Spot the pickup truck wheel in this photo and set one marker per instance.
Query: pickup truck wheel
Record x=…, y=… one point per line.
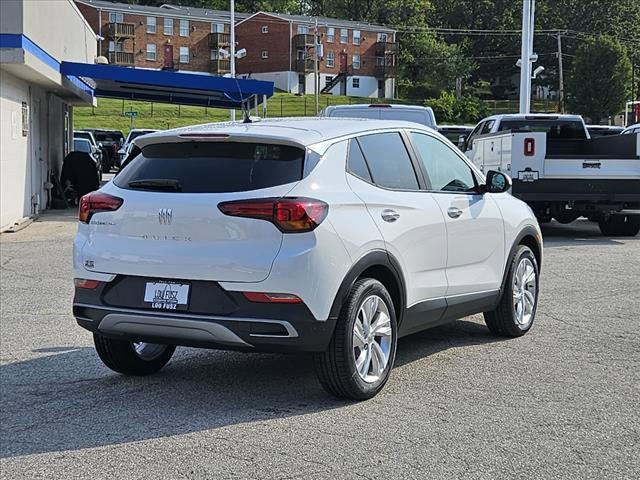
x=516, y=311
x=361, y=353
x=132, y=358
x=620, y=226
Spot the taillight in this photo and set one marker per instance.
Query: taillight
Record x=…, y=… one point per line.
x=259, y=297
x=290, y=215
x=95, y=202
x=86, y=283
x=529, y=147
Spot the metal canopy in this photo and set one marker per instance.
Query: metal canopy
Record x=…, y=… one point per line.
x=110, y=81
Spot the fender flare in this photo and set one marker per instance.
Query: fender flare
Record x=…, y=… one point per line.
x=371, y=259
x=526, y=231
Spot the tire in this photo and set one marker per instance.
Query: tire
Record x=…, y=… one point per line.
x=565, y=217
x=620, y=226
x=121, y=356
x=505, y=319
x=337, y=367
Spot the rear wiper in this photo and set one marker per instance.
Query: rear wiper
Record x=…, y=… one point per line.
x=157, y=184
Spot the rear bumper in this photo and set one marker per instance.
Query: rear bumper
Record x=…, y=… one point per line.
x=215, y=319
x=218, y=332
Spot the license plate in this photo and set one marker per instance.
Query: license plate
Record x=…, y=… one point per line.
x=167, y=295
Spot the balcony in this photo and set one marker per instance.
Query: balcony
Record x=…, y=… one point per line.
x=220, y=67
x=304, y=65
x=121, y=58
x=122, y=30
x=218, y=40
x=303, y=40
x=386, y=48
x=386, y=71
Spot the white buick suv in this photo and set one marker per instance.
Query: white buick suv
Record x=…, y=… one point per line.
x=332, y=236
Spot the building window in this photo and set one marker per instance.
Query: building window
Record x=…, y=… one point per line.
x=265, y=54
x=344, y=35
x=300, y=54
x=184, y=28
x=265, y=29
x=151, y=24
x=168, y=26
x=356, y=37
x=303, y=29
x=184, y=54
x=330, y=61
x=355, y=61
x=380, y=61
x=214, y=54
x=331, y=34
x=217, y=28
x=382, y=37
x=115, y=46
x=151, y=52
x=355, y=82
x=327, y=80
x=115, y=17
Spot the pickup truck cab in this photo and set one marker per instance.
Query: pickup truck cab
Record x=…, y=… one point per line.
x=560, y=171
x=382, y=111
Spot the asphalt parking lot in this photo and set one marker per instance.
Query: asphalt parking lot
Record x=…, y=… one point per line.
x=561, y=402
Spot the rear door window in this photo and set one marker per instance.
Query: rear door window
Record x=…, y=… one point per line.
x=213, y=167
x=389, y=161
x=356, y=163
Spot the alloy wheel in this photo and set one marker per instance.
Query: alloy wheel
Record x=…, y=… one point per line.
x=372, y=337
x=524, y=293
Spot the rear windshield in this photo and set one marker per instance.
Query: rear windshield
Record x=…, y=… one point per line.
x=105, y=137
x=553, y=128
x=199, y=167
x=133, y=135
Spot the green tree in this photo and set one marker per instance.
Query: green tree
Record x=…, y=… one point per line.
x=599, y=81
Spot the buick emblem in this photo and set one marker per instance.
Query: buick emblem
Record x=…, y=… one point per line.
x=165, y=216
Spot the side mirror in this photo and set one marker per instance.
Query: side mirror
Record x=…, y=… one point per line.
x=461, y=141
x=497, y=182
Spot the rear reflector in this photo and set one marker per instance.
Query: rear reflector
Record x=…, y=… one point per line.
x=289, y=215
x=85, y=283
x=259, y=297
x=529, y=147
x=95, y=202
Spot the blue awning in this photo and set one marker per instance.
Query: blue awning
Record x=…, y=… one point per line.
x=110, y=81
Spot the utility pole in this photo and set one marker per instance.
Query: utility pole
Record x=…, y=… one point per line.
x=528, y=15
x=232, y=50
x=560, y=76
x=316, y=73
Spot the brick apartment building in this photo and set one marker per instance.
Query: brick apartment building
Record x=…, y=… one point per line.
x=359, y=59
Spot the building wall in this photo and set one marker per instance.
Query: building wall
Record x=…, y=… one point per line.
x=197, y=39
x=276, y=42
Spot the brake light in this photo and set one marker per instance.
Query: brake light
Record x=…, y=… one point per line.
x=259, y=297
x=95, y=202
x=529, y=147
x=289, y=215
x=85, y=283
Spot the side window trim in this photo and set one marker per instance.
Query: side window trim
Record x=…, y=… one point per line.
x=355, y=141
x=458, y=154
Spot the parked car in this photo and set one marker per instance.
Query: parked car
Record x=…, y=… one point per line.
x=84, y=145
x=96, y=146
x=111, y=141
x=631, y=129
x=457, y=134
x=596, y=131
x=381, y=111
x=561, y=172
x=133, y=134
x=331, y=236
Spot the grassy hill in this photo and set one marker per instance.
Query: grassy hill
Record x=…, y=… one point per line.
x=110, y=113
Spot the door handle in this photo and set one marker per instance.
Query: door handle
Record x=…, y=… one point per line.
x=454, y=212
x=389, y=215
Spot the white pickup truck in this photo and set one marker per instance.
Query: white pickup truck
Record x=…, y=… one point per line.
x=561, y=172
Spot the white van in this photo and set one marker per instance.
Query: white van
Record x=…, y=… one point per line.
x=409, y=113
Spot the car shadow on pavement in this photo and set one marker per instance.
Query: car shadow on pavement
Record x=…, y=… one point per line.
x=68, y=400
x=579, y=232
